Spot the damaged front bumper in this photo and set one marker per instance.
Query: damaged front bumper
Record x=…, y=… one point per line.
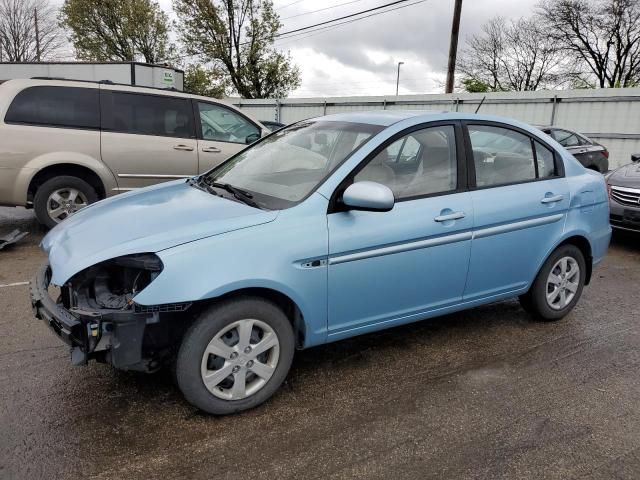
x=113, y=336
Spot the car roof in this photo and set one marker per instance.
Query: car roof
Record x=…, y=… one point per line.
x=386, y=118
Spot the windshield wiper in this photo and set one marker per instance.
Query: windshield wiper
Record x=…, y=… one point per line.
x=238, y=193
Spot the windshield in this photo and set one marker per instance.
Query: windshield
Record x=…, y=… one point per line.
x=284, y=168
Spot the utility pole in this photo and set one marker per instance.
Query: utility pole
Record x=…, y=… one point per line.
x=398, y=78
x=453, y=46
x=35, y=18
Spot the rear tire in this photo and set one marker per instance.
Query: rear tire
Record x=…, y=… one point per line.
x=60, y=197
x=558, y=286
x=235, y=356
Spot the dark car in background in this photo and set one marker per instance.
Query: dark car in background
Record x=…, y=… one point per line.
x=273, y=125
x=624, y=196
x=589, y=153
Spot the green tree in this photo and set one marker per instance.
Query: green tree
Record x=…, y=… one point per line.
x=125, y=30
x=473, y=85
x=208, y=82
x=237, y=36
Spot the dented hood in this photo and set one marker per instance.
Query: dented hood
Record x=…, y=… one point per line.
x=147, y=220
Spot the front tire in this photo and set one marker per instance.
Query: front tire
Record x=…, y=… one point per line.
x=558, y=286
x=235, y=356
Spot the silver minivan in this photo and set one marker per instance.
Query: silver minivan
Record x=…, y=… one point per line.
x=65, y=144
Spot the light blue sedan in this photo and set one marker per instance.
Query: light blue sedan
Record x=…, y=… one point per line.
x=329, y=228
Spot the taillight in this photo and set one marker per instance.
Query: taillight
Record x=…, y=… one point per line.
x=605, y=152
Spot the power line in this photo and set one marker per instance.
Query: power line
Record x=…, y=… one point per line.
x=322, y=9
x=343, y=17
x=330, y=27
x=289, y=4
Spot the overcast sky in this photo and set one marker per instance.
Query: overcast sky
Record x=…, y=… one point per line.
x=360, y=58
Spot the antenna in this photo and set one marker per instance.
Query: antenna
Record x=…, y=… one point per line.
x=481, y=102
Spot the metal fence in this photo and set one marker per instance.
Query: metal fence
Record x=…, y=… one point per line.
x=608, y=116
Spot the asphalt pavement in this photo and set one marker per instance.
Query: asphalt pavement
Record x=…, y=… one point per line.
x=486, y=393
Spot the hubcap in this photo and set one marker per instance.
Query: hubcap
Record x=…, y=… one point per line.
x=64, y=202
x=563, y=282
x=240, y=359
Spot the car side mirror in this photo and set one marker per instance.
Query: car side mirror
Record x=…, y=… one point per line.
x=635, y=158
x=254, y=137
x=368, y=196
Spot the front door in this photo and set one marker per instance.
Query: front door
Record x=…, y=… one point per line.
x=392, y=267
x=223, y=132
x=147, y=139
x=520, y=204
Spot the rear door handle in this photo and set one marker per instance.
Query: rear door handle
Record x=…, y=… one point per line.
x=554, y=199
x=450, y=216
x=186, y=148
x=211, y=149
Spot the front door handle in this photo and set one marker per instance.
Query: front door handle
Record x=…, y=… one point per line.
x=553, y=199
x=186, y=148
x=211, y=150
x=450, y=216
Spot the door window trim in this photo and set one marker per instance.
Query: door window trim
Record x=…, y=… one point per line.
x=106, y=114
x=471, y=166
x=196, y=115
x=461, y=163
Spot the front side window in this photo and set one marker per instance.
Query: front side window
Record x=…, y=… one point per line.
x=287, y=166
x=224, y=125
x=501, y=155
x=150, y=115
x=423, y=162
x=72, y=107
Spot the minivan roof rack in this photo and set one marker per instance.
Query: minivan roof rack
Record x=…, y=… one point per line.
x=105, y=82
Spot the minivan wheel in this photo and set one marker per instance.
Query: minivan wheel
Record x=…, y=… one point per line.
x=60, y=197
x=235, y=355
x=558, y=286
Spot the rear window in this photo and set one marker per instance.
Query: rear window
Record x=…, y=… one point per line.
x=71, y=107
x=149, y=115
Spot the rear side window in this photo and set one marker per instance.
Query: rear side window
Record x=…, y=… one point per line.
x=71, y=107
x=148, y=115
x=501, y=155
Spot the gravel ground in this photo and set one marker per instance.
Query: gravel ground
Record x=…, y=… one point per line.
x=486, y=393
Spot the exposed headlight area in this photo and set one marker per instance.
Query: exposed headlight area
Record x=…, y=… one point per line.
x=111, y=284
x=95, y=313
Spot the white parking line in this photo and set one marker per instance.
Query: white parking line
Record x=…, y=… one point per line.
x=16, y=284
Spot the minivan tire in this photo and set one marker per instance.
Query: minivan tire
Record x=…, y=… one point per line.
x=207, y=326
x=59, y=183
x=535, y=300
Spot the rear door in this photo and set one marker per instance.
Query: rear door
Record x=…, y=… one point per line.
x=520, y=200
x=147, y=138
x=222, y=132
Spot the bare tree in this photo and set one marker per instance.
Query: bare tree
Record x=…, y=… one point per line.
x=515, y=55
x=602, y=35
x=18, y=41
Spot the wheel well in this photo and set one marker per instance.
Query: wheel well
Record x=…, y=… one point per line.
x=70, y=169
x=286, y=304
x=585, y=247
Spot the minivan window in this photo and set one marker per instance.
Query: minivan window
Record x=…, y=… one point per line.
x=285, y=167
x=149, y=115
x=72, y=107
x=224, y=125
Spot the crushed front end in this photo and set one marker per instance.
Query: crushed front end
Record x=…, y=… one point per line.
x=95, y=313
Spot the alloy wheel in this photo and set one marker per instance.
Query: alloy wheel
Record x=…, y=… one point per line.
x=562, y=283
x=240, y=359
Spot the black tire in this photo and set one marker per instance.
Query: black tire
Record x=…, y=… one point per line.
x=205, y=328
x=535, y=300
x=59, y=183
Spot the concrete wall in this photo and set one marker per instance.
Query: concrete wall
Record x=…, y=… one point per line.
x=608, y=116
